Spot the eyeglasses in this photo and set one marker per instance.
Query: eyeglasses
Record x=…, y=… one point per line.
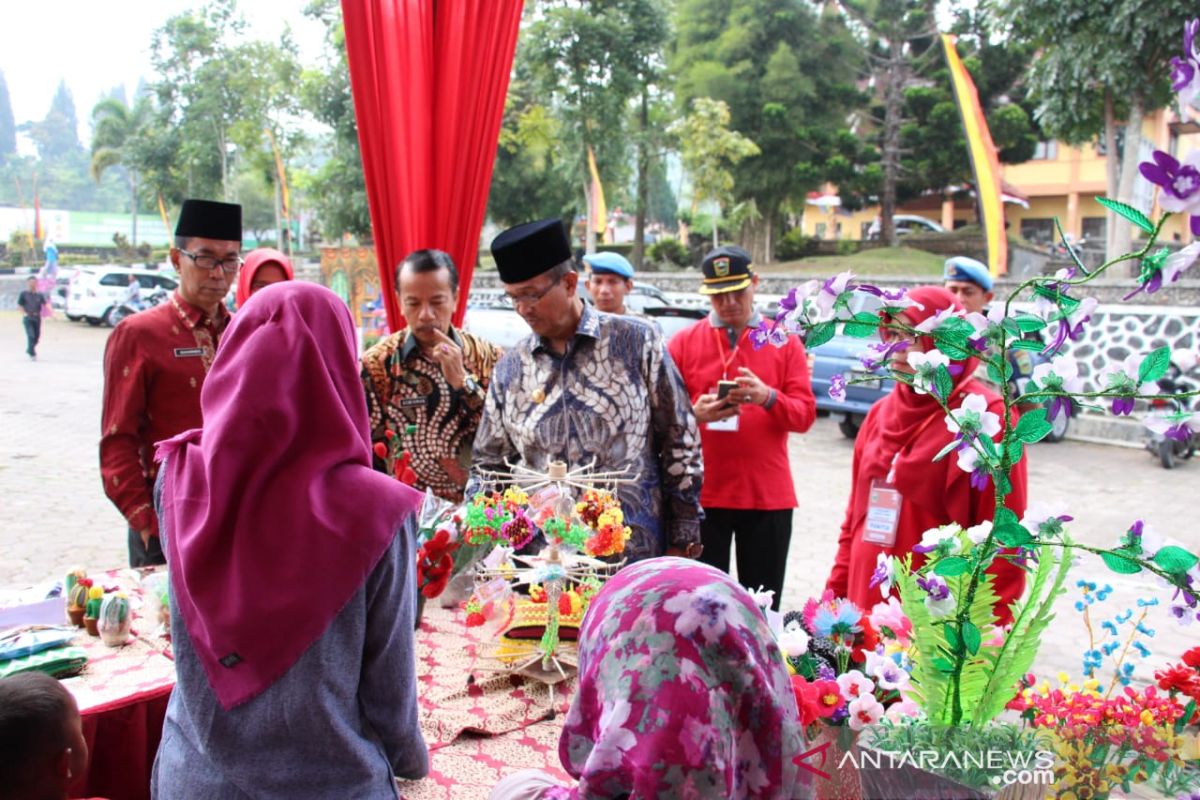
x=532, y=298
x=206, y=262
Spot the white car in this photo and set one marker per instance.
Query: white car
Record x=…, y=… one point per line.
x=906, y=224
x=94, y=291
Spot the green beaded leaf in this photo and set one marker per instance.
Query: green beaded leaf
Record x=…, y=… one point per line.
x=1028, y=323
x=1009, y=531
x=1154, y=365
x=971, y=637
x=1118, y=561
x=1032, y=426
x=821, y=333
x=951, y=566
x=1026, y=344
x=943, y=382
x=863, y=325
x=1128, y=212
x=1175, y=559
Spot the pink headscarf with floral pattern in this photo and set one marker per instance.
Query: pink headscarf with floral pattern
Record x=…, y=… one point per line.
x=682, y=692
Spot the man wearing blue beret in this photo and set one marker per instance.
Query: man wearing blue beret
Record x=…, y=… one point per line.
x=969, y=281
x=610, y=279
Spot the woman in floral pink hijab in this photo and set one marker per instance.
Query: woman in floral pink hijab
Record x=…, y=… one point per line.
x=682, y=693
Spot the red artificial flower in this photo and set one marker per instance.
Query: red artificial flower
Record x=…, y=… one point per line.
x=826, y=697
x=380, y=449
x=475, y=619
x=1178, y=678
x=1192, y=658
x=808, y=713
x=564, y=604
x=389, y=434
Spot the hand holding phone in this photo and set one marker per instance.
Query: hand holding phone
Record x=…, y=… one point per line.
x=724, y=388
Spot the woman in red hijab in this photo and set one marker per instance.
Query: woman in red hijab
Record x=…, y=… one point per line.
x=907, y=429
x=291, y=569
x=263, y=267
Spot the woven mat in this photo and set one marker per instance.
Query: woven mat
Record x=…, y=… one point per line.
x=448, y=653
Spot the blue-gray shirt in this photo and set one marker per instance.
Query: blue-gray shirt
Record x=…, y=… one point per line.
x=340, y=723
x=614, y=396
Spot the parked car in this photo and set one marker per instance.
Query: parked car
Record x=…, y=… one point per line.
x=94, y=291
x=906, y=224
x=840, y=356
x=501, y=325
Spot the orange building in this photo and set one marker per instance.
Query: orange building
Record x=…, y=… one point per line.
x=1059, y=181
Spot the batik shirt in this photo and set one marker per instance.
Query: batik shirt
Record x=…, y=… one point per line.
x=154, y=367
x=408, y=395
x=614, y=397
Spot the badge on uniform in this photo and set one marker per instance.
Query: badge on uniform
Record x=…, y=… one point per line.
x=727, y=424
x=883, y=514
x=721, y=267
x=188, y=352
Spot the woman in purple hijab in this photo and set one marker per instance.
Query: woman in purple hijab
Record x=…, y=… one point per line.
x=291, y=569
x=683, y=693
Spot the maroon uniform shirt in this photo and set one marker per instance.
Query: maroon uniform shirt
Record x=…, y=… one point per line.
x=154, y=366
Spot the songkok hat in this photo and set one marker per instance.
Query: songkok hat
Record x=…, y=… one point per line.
x=209, y=219
x=961, y=268
x=528, y=250
x=726, y=269
x=609, y=263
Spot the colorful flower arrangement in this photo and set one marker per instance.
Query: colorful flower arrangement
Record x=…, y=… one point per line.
x=837, y=679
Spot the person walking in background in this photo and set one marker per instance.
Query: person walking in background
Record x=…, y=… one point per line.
x=898, y=486
x=263, y=266
x=155, y=363
x=133, y=294
x=292, y=565
x=748, y=401
x=32, y=302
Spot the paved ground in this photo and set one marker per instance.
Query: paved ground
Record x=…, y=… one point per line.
x=53, y=512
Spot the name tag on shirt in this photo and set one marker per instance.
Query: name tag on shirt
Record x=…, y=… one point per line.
x=727, y=424
x=883, y=514
x=411, y=402
x=189, y=352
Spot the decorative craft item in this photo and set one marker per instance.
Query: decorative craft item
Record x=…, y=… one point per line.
x=577, y=514
x=77, y=596
x=115, y=619
x=91, y=612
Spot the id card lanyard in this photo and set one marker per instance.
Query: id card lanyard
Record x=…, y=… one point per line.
x=884, y=501
x=729, y=423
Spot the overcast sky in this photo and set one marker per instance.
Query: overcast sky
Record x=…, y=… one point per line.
x=95, y=45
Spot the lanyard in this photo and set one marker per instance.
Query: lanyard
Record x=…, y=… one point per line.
x=891, y=476
x=726, y=361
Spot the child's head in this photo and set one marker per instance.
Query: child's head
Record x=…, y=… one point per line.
x=41, y=738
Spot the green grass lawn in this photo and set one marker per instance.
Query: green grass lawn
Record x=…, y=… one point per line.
x=881, y=261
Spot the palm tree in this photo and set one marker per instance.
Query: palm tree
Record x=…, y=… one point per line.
x=116, y=129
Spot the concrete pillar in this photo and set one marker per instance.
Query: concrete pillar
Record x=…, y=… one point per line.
x=948, y=213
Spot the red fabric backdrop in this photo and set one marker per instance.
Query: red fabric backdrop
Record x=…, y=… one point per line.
x=429, y=79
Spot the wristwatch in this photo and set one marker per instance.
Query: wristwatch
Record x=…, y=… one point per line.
x=470, y=384
x=693, y=550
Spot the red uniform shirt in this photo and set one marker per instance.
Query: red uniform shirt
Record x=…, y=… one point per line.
x=747, y=468
x=154, y=366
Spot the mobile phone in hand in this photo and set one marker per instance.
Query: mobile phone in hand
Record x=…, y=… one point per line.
x=724, y=388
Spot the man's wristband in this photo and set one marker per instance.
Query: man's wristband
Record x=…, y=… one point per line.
x=770, y=401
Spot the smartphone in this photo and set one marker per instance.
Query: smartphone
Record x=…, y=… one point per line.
x=724, y=388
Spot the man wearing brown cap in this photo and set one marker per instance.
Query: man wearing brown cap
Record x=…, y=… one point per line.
x=155, y=362
x=588, y=386
x=747, y=401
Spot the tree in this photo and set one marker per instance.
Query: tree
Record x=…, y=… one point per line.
x=589, y=60
x=709, y=148
x=57, y=136
x=1098, y=62
x=220, y=91
x=786, y=71
x=116, y=129
x=336, y=185
x=8, y=127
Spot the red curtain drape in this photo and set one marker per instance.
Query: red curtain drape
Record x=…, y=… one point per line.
x=429, y=79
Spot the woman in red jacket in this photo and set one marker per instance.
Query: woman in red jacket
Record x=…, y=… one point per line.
x=895, y=449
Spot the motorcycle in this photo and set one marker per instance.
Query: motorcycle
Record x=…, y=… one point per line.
x=1182, y=445
x=119, y=311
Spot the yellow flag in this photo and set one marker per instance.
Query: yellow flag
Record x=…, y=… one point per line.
x=599, y=219
x=162, y=212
